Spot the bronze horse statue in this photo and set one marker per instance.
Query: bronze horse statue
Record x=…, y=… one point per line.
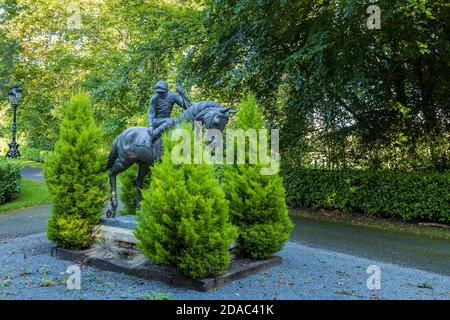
x=133, y=146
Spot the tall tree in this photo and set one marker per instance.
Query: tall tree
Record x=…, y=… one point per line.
x=339, y=91
x=8, y=45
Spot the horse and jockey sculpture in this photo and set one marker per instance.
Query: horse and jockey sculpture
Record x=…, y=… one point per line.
x=144, y=146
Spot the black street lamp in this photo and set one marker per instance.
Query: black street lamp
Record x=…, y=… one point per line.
x=14, y=96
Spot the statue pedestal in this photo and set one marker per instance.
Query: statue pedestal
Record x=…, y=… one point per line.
x=118, y=229
x=121, y=231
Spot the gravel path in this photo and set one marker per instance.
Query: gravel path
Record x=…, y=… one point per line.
x=27, y=271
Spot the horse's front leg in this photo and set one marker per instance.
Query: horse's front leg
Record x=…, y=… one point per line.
x=144, y=168
x=111, y=213
x=117, y=168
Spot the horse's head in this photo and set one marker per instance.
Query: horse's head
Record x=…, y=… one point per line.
x=217, y=120
x=212, y=114
x=220, y=118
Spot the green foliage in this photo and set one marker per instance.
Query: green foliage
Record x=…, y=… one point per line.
x=8, y=45
x=71, y=230
x=158, y=296
x=10, y=179
x=344, y=96
x=127, y=186
x=32, y=193
x=184, y=218
x=340, y=93
x=257, y=202
x=404, y=195
x=249, y=116
x=258, y=209
x=127, y=193
x=34, y=154
x=77, y=186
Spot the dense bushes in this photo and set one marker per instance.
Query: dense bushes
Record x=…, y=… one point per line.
x=257, y=202
x=405, y=195
x=34, y=154
x=184, y=218
x=77, y=186
x=10, y=179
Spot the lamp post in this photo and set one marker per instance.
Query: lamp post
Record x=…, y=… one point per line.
x=14, y=96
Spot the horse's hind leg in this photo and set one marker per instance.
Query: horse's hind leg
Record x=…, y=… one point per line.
x=118, y=167
x=144, y=168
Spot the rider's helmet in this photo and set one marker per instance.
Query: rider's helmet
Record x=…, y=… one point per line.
x=161, y=86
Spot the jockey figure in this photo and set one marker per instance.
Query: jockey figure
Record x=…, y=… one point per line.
x=161, y=105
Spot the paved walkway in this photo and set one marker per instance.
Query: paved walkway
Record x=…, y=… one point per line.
x=404, y=249
x=33, y=173
x=22, y=222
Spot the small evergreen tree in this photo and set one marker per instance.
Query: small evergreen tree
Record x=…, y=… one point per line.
x=127, y=192
x=257, y=202
x=184, y=218
x=77, y=186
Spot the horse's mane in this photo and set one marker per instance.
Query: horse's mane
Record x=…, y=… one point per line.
x=203, y=110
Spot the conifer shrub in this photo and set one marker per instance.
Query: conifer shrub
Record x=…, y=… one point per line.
x=10, y=179
x=184, y=218
x=127, y=192
x=257, y=202
x=78, y=187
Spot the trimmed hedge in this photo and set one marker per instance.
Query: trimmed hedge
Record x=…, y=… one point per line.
x=10, y=179
x=405, y=195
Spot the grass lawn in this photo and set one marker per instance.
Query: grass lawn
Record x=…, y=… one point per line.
x=33, y=193
x=370, y=221
x=33, y=164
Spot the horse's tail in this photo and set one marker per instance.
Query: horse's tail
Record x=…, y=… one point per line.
x=113, y=154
